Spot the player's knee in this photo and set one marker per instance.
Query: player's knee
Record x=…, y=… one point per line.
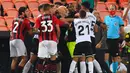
x=24, y=58
x=15, y=59
x=90, y=59
x=83, y=58
x=33, y=58
x=75, y=59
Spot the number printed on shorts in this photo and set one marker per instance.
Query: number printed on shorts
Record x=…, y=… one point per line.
x=82, y=28
x=49, y=24
x=16, y=24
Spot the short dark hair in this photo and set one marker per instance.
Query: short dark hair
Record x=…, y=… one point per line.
x=82, y=13
x=114, y=6
x=40, y=7
x=58, y=3
x=86, y=4
x=21, y=9
x=46, y=7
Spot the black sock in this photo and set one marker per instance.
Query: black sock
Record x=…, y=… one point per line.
x=12, y=71
x=40, y=61
x=20, y=69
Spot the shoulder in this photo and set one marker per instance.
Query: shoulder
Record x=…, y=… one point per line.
x=39, y=15
x=107, y=16
x=122, y=64
x=90, y=15
x=26, y=20
x=118, y=17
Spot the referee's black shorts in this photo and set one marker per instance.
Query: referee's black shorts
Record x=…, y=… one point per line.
x=113, y=47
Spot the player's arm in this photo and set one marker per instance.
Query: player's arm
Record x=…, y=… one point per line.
x=121, y=23
x=125, y=13
x=95, y=25
x=35, y=30
x=96, y=28
x=58, y=31
x=31, y=30
x=56, y=22
x=67, y=19
x=95, y=4
x=103, y=26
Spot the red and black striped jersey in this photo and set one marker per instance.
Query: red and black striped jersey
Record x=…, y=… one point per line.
x=19, y=27
x=46, y=24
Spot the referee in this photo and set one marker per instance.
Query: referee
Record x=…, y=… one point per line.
x=114, y=25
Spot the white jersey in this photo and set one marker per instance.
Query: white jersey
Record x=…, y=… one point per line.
x=82, y=29
x=120, y=68
x=92, y=19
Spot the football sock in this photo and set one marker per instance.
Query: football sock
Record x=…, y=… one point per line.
x=90, y=67
x=27, y=67
x=97, y=66
x=83, y=67
x=72, y=66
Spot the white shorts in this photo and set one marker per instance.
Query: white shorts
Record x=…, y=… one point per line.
x=47, y=48
x=17, y=48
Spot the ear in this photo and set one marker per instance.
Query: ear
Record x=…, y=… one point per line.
x=23, y=13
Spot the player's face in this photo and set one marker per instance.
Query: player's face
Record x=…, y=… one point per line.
x=82, y=7
x=27, y=13
x=53, y=10
x=119, y=59
x=41, y=11
x=50, y=10
x=112, y=10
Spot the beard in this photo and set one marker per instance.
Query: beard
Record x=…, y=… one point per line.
x=25, y=15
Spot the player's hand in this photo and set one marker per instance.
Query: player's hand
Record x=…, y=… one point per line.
x=94, y=8
x=35, y=30
x=77, y=15
x=99, y=45
x=64, y=20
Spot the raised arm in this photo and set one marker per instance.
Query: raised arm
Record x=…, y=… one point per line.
x=126, y=12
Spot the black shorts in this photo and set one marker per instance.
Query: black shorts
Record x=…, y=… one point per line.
x=35, y=45
x=106, y=50
x=93, y=45
x=91, y=10
x=113, y=47
x=83, y=48
x=34, y=51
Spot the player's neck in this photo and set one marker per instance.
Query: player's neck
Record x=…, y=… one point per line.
x=87, y=10
x=112, y=15
x=46, y=12
x=21, y=16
